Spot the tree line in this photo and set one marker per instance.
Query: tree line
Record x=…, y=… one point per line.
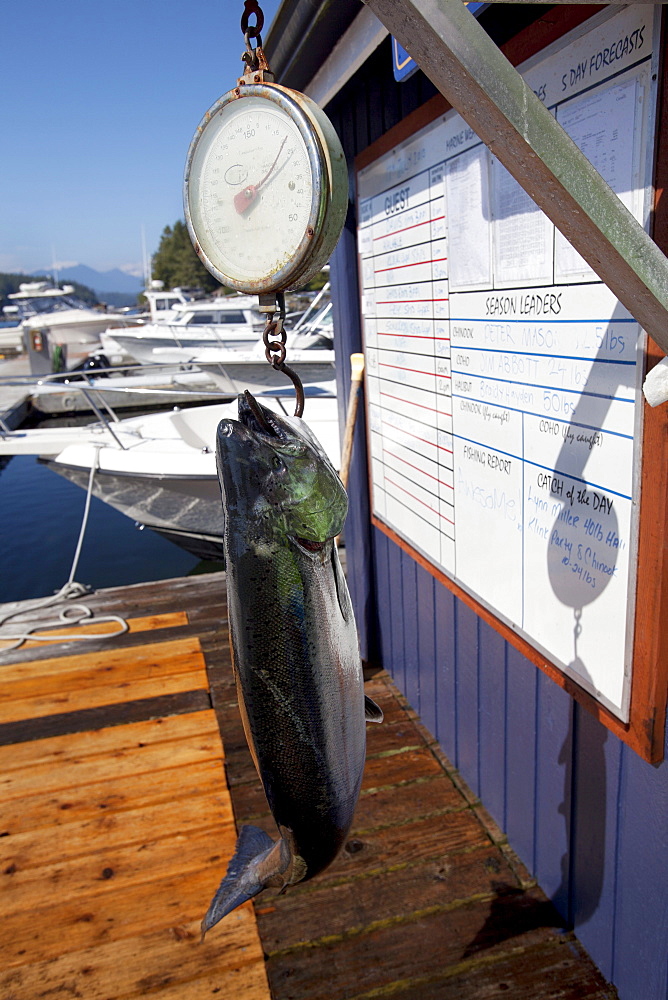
x=176, y=264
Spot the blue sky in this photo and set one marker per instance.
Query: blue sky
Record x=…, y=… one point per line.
x=99, y=104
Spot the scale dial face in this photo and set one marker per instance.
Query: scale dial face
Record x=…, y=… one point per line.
x=258, y=190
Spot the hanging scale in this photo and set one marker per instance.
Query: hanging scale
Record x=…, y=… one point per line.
x=265, y=190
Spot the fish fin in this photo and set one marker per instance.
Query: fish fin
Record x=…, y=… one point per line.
x=372, y=711
x=258, y=861
x=342, y=593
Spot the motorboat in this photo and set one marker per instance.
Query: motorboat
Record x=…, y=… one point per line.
x=11, y=334
x=45, y=311
x=237, y=371
x=309, y=344
x=160, y=469
x=139, y=387
x=163, y=302
x=227, y=322
x=309, y=352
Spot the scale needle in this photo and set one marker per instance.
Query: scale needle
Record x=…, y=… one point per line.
x=245, y=198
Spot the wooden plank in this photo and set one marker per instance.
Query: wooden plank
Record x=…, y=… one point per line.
x=170, y=958
x=594, y=819
x=19, y=680
x=392, y=848
x=394, y=710
x=640, y=863
x=112, y=830
x=556, y=969
x=142, y=758
x=411, y=679
x=347, y=908
x=395, y=664
x=248, y=981
x=390, y=805
x=147, y=623
x=118, y=793
x=111, y=677
x=60, y=750
x=38, y=934
x=406, y=765
x=427, y=648
x=520, y=752
x=111, y=869
x=114, y=840
x=444, y=664
x=78, y=699
x=467, y=633
x=87, y=719
x=401, y=845
x=420, y=944
x=492, y=721
x=554, y=780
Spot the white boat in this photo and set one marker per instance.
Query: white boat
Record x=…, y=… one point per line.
x=236, y=371
x=309, y=352
x=227, y=322
x=11, y=334
x=44, y=310
x=163, y=304
x=160, y=469
x=135, y=388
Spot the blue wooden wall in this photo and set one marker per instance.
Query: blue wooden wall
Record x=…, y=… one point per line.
x=585, y=814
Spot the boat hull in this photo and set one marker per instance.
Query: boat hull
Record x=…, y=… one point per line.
x=186, y=509
x=176, y=348
x=258, y=376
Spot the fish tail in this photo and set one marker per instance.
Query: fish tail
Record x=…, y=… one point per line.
x=258, y=862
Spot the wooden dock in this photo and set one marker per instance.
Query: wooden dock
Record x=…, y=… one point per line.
x=117, y=824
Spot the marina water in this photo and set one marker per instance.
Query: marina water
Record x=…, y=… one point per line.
x=40, y=518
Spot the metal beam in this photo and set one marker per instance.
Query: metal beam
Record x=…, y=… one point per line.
x=475, y=77
x=351, y=51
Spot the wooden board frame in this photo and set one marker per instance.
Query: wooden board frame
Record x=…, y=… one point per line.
x=645, y=731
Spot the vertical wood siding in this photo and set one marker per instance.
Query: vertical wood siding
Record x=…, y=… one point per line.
x=587, y=816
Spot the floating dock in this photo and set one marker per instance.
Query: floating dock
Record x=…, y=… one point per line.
x=124, y=768
x=147, y=388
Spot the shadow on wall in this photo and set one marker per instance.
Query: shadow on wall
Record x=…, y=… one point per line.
x=574, y=902
x=584, y=813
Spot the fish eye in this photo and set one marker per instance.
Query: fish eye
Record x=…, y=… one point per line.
x=277, y=462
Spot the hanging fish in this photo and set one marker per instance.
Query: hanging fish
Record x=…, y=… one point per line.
x=294, y=649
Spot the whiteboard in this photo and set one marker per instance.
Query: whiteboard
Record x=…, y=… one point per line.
x=502, y=376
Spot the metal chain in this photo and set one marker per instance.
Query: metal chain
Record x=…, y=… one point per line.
x=274, y=351
x=273, y=336
x=250, y=56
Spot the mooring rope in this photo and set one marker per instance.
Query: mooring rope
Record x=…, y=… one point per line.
x=69, y=590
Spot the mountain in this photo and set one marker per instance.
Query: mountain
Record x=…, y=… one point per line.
x=102, y=282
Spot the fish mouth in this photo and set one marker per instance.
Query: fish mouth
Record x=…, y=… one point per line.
x=310, y=545
x=258, y=418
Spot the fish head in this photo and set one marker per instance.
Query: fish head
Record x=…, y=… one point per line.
x=275, y=473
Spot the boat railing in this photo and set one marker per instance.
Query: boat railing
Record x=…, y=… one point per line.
x=93, y=388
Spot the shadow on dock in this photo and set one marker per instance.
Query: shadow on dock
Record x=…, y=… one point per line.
x=118, y=824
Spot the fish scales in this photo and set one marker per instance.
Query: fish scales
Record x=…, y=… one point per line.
x=299, y=680
x=294, y=649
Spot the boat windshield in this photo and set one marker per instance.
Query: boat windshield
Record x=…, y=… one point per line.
x=228, y=316
x=48, y=304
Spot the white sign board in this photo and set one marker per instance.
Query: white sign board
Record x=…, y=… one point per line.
x=502, y=375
